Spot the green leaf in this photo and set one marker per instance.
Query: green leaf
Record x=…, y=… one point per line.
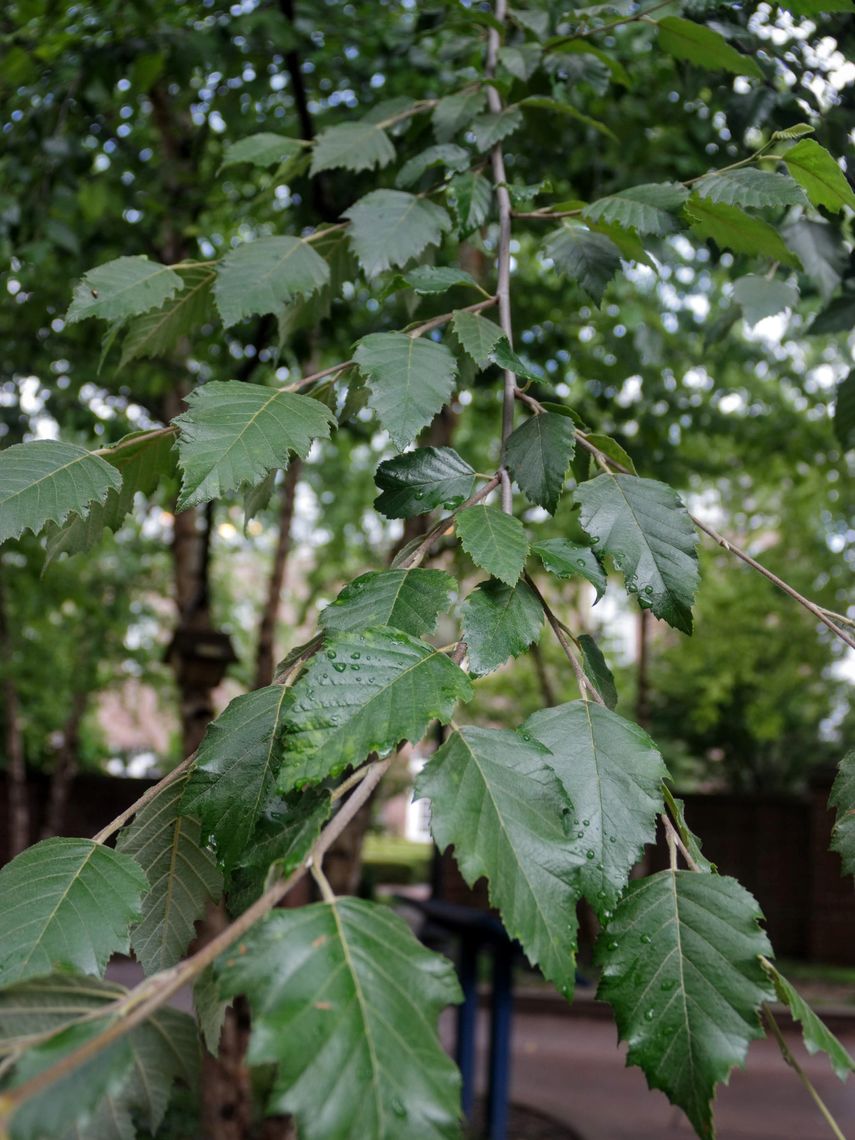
x=731, y=228
x=448, y=155
x=409, y=600
x=164, y=1048
x=421, y=480
x=646, y=529
x=499, y=622
x=494, y=541
x=597, y=670
x=427, y=279
x=471, y=196
x=353, y=146
x=183, y=877
x=684, y=39
x=66, y=903
x=758, y=297
x=454, y=112
x=821, y=251
x=123, y=288
x=567, y=560
x=798, y=130
x=813, y=167
x=263, y=149
x=837, y=316
x=345, y=1003
x=282, y=839
x=390, y=227
x=815, y=7
x=209, y=1009
x=505, y=357
x=844, y=412
x=493, y=127
x=751, y=188
x=46, y=481
x=612, y=774
x=842, y=798
x=690, y=840
x=365, y=693
x=261, y=276
x=582, y=47
x=560, y=107
x=538, y=454
x=681, y=971
x=141, y=459
x=410, y=379
x=234, y=433
x=612, y=450
x=478, y=336
x=157, y=332
x=231, y=782
x=589, y=258
x=521, y=61
x=647, y=209
x=816, y=1035
x=495, y=797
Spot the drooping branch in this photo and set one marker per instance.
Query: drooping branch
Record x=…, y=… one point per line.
x=264, y=654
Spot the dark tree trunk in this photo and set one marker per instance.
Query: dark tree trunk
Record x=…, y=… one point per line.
x=265, y=656
x=13, y=741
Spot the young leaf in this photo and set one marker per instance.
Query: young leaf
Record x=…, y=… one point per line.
x=409, y=600
x=353, y=146
x=49, y=1003
x=645, y=528
x=183, y=877
x=234, y=433
x=157, y=332
x=491, y=128
x=427, y=279
x=538, y=454
x=263, y=149
x=843, y=799
x=231, y=782
x=681, y=971
x=589, y=258
x=816, y=1035
x=454, y=112
x=123, y=288
x=505, y=357
x=759, y=298
x=66, y=903
x=46, y=481
x=365, y=694
x=813, y=167
x=421, y=480
x=410, y=379
x=471, y=196
x=597, y=670
x=751, y=188
x=612, y=450
x=567, y=560
x=684, y=39
x=844, y=412
x=345, y=1003
x=731, y=228
x=390, y=227
x=450, y=155
x=647, y=209
x=477, y=335
x=261, y=276
x=612, y=774
x=499, y=622
x=494, y=541
x=495, y=797
x=141, y=459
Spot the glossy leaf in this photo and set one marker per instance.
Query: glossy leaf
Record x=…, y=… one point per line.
x=345, y=1003
x=751, y=188
x=647, y=209
x=410, y=379
x=538, y=454
x=471, y=197
x=365, y=693
x=420, y=480
x=232, y=780
x=503, y=355
x=182, y=874
x=233, y=433
x=645, y=528
x=494, y=541
x=388, y=228
x=261, y=276
x=495, y=798
x=731, y=228
x=409, y=600
x=813, y=167
x=499, y=622
x=684, y=39
x=589, y=258
x=597, y=670
x=46, y=481
x=612, y=773
x=680, y=968
x=352, y=146
x=123, y=288
x=478, y=336
x=66, y=903
x=567, y=559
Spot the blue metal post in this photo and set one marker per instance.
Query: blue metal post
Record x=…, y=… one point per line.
x=467, y=1014
x=499, y=1090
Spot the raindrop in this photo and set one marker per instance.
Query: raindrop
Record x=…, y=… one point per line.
x=339, y=666
x=586, y=823
x=589, y=854
x=649, y=1015
x=645, y=938
x=331, y=654
x=355, y=656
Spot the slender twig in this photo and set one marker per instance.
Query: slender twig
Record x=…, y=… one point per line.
x=436, y=322
x=564, y=640
x=639, y=16
x=133, y=1008
x=439, y=528
x=801, y=1074
x=146, y=798
x=676, y=840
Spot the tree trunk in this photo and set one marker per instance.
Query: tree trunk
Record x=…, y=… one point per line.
x=65, y=767
x=13, y=741
x=265, y=656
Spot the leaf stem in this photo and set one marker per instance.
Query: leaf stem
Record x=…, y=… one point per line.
x=435, y=531
x=146, y=798
x=801, y=1074
x=563, y=640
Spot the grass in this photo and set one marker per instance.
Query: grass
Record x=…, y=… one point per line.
x=391, y=859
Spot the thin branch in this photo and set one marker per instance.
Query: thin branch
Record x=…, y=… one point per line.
x=136, y=1006
x=564, y=640
x=439, y=528
x=436, y=322
x=801, y=1074
x=145, y=799
x=676, y=840
x=639, y=16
